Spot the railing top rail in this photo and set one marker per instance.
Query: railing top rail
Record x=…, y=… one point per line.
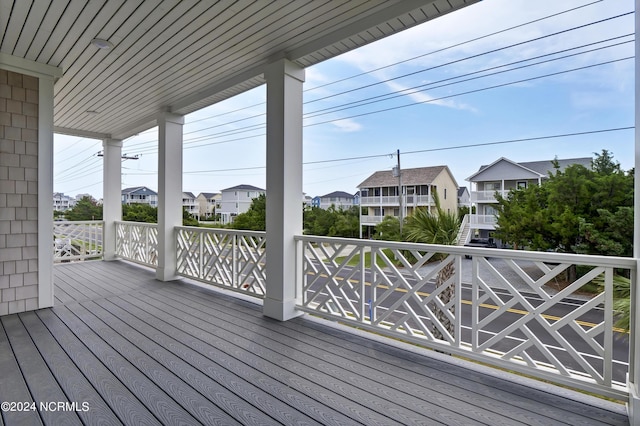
x=576, y=259
x=126, y=222
x=224, y=231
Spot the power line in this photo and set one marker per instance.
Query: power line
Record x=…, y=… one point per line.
x=472, y=57
x=455, y=45
x=472, y=91
x=419, y=56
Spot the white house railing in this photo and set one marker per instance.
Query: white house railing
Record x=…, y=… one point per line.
x=137, y=242
x=234, y=260
x=512, y=309
x=80, y=240
x=483, y=219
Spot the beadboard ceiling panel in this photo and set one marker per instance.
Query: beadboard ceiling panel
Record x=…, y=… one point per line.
x=183, y=55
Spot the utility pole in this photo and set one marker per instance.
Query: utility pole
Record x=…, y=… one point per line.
x=397, y=171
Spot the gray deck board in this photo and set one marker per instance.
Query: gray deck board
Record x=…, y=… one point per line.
x=140, y=351
x=402, y=405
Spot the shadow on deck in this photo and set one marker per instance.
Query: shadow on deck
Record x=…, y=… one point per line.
x=129, y=349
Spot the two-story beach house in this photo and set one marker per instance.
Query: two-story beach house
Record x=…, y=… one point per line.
x=207, y=203
x=379, y=193
x=500, y=177
x=190, y=205
x=62, y=202
x=236, y=200
x=139, y=194
x=339, y=199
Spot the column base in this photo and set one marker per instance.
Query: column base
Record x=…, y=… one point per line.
x=282, y=310
x=633, y=406
x=164, y=274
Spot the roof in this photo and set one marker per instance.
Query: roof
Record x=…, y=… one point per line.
x=462, y=190
x=179, y=56
x=137, y=189
x=243, y=188
x=541, y=168
x=417, y=176
x=208, y=194
x=189, y=194
x=338, y=194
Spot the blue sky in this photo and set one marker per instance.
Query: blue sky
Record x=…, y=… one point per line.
x=227, y=137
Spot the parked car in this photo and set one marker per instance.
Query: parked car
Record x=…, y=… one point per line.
x=480, y=242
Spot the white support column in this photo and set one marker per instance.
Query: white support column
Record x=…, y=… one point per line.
x=284, y=186
x=111, y=194
x=633, y=379
x=45, y=189
x=169, y=192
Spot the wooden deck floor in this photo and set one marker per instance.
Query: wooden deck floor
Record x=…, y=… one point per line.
x=129, y=349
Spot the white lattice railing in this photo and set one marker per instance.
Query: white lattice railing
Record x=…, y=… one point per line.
x=513, y=309
x=137, y=242
x=81, y=240
x=234, y=260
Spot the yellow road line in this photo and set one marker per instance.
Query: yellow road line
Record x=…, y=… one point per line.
x=484, y=305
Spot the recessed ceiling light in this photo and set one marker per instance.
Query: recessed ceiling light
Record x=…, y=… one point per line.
x=102, y=44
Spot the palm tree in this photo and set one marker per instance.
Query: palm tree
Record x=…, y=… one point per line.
x=438, y=227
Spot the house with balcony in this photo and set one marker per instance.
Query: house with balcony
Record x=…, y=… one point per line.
x=139, y=195
x=190, y=204
x=500, y=177
x=464, y=197
x=62, y=202
x=379, y=193
x=236, y=200
x=207, y=203
x=143, y=334
x=339, y=199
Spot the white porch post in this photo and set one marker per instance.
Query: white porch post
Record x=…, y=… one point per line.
x=169, y=192
x=111, y=195
x=45, y=187
x=284, y=186
x=633, y=380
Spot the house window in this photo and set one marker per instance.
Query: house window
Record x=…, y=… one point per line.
x=445, y=193
x=521, y=184
x=396, y=212
x=378, y=211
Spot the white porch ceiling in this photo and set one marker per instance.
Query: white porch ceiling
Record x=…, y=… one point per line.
x=182, y=55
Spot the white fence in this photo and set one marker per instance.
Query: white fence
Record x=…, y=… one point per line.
x=234, y=260
x=77, y=240
x=137, y=242
x=512, y=309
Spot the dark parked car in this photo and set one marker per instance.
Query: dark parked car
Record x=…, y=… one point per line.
x=480, y=242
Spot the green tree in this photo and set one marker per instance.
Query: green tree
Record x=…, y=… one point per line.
x=346, y=223
x=85, y=209
x=570, y=211
x=388, y=229
x=442, y=228
x=139, y=212
x=332, y=222
x=253, y=219
x=188, y=219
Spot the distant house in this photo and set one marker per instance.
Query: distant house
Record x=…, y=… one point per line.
x=190, y=205
x=139, y=195
x=464, y=197
x=339, y=199
x=236, y=200
x=207, y=204
x=379, y=193
x=62, y=202
x=500, y=177
x=307, y=202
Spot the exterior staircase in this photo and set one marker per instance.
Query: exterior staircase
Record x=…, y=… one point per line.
x=464, y=232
